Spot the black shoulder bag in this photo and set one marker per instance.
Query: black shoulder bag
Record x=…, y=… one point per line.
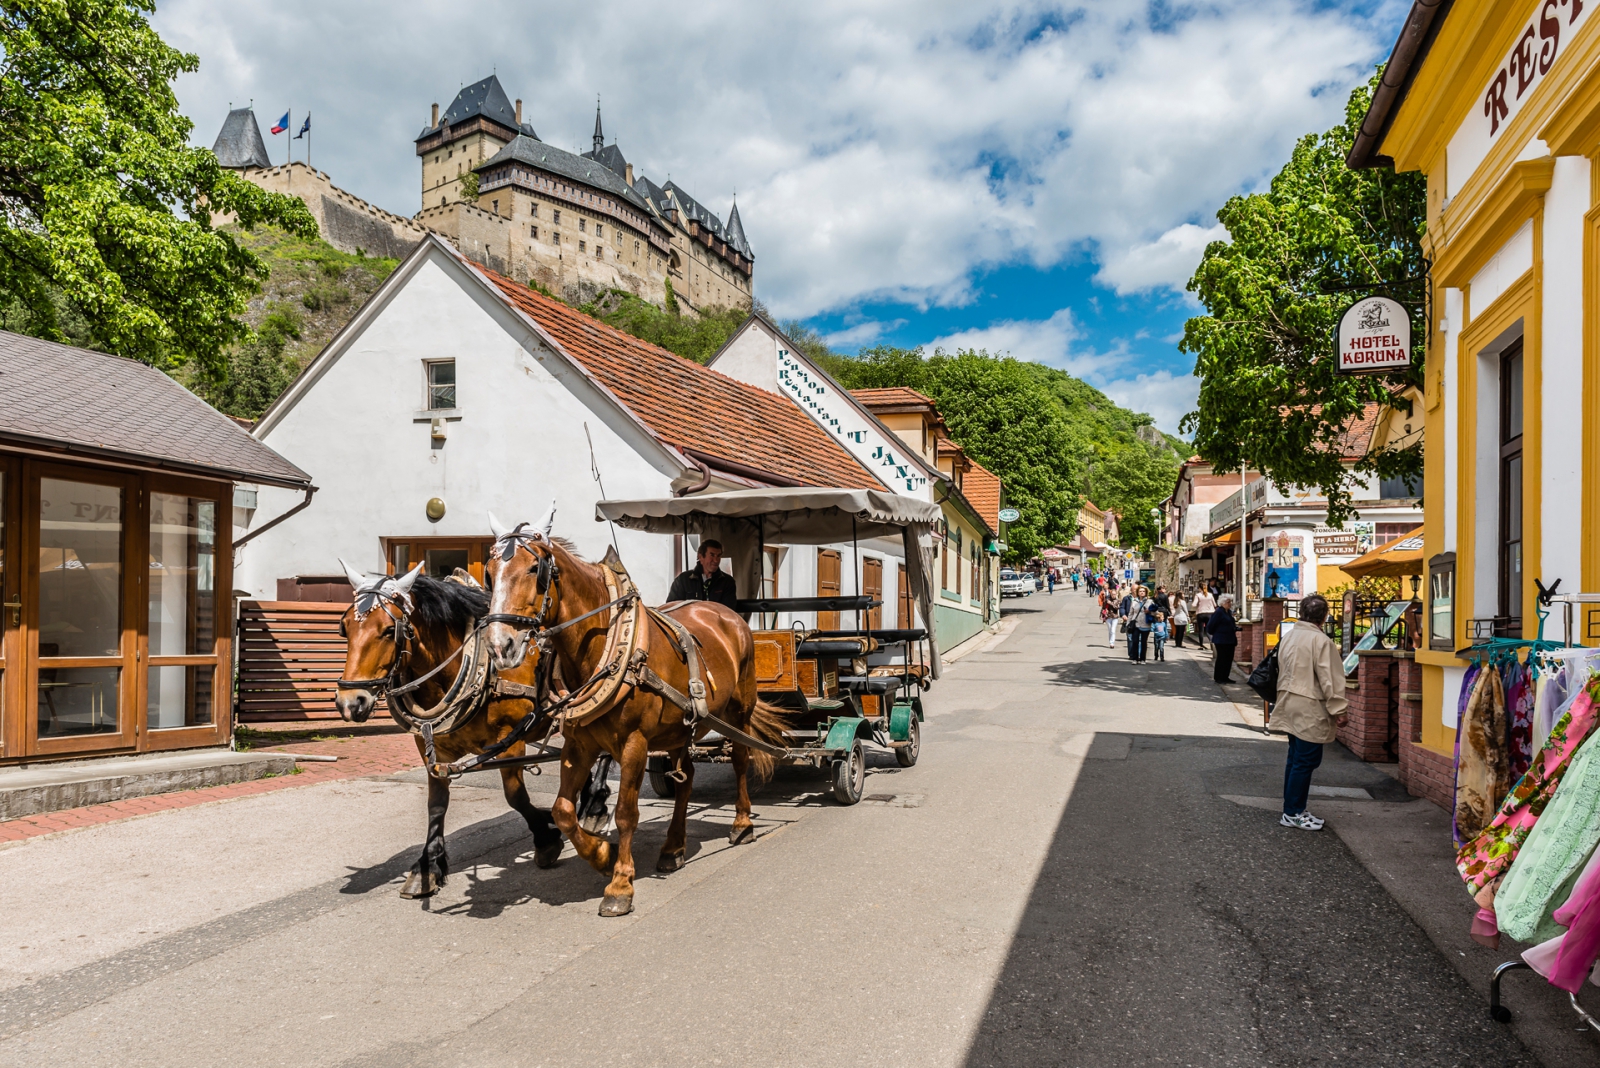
x=1264, y=679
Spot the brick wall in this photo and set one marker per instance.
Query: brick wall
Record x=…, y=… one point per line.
x=1424, y=773
x=1370, y=727
x=1247, y=640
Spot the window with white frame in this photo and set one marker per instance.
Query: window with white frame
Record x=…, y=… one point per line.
x=441, y=380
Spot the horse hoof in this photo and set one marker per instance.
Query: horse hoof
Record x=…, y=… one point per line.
x=739, y=835
x=420, y=885
x=616, y=905
x=596, y=824
x=546, y=856
x=670, y=862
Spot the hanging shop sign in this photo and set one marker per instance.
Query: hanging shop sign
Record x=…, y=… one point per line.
x=1009, y=515
x=1374, y=336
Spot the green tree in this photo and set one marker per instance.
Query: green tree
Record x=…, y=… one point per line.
x=1131, y=481
x=999, y=413
x=108, y=209
x=697, y=339
x=1295, y=258
x=469, y=187
x=258, y=369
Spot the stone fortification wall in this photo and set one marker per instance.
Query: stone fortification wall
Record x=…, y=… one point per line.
x=347, y=222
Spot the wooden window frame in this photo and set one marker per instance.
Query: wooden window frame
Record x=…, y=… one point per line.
x=477, y=549
x=873, y=589
x=830, y=620
x=1510, y=451
x=1441, y=565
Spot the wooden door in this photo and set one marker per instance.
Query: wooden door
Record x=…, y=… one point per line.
x=828, y=572
x=872, y=586
x=907, y=619
x=81, y=545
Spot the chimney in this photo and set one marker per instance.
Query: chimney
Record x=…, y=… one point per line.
x=435, y=116
x=519, y=114
x=629, y=175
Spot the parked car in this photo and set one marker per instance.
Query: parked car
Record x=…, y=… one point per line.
x=1016, y=584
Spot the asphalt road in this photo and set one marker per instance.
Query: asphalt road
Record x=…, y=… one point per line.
x=1085, y=868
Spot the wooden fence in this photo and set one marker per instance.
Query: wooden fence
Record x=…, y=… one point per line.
x=290, y=656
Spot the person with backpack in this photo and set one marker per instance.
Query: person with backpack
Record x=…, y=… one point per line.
x=1310, y=701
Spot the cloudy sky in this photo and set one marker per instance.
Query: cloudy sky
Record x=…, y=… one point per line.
x=1032, y=178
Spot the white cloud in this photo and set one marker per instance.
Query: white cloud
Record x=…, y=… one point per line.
x=1162, y=394
x=879, y=149
x=861, y=334
x=1168, y=261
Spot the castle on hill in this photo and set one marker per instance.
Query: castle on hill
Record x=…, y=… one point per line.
x=575, y=224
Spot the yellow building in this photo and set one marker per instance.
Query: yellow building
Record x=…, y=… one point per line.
x=1498, y=104
x=1092, y=523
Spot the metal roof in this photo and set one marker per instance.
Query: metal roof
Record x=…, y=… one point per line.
x=239, y=144
x=581, y=169
x=61, y=399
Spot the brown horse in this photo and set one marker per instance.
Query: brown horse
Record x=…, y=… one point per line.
x=400, y=629
x=549, y=593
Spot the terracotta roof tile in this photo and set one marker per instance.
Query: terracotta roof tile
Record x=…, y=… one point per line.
x=690, y=406
x=981, y=488
x=891, y=395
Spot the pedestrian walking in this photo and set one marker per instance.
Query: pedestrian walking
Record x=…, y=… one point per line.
x=1180, y=618
x=1163, y=602
x=1204, y=604
x=1074, y=580
x=1224, y=634
x=1310, y=703
x=1108, y=616
x=1050, y=580
x=1137, y=611
x=1158, y=634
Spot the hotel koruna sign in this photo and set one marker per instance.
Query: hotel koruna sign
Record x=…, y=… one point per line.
x=1374, y=335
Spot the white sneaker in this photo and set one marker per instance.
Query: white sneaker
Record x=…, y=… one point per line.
x=1305, y=821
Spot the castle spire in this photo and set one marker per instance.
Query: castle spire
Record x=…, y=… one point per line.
x=599, y=137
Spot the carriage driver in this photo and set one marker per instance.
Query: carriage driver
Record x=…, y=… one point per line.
x=705, y=581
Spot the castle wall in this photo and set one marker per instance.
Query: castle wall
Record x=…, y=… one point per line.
x=347, y=222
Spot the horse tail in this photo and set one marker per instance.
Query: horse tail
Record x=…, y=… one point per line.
x=767, y=722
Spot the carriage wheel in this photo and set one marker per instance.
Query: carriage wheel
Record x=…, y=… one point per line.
x=660, y=785
x=850, y=775
x=906, y=755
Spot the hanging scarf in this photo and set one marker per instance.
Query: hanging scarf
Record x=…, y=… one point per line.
x=1483, y=768
x=1485, y=859
x=1519, y=718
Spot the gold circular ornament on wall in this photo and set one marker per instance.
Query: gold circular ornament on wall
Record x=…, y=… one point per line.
x=435, y=509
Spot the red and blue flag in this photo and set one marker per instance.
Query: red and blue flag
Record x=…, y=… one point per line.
x=282, y=124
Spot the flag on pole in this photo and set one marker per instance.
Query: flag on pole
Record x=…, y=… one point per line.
x=305, y=129
x=282, y=124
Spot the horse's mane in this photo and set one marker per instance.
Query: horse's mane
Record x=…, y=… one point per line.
x=572, y=550
x=449, y=605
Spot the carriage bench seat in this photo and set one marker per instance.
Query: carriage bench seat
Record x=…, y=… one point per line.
x=883, y=637
x=873, y=684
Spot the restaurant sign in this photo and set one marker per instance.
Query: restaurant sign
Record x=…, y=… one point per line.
x=1374, y=336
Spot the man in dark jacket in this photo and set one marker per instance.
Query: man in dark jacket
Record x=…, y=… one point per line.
x=1224, y=634
x=705, y=581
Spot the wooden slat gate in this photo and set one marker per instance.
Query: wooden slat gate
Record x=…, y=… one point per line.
x=290, y=656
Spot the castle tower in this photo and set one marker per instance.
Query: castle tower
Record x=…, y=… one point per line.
x=239, y=145
x=480, y=121
x=599, y=137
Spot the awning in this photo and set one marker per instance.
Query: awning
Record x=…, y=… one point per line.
x=1402, y=556
x=799, y=515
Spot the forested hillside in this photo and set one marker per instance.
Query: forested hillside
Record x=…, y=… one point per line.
x=312, y=289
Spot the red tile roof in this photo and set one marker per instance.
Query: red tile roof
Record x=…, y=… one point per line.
x=981, y=488
x=690, y=406
x=895, y=395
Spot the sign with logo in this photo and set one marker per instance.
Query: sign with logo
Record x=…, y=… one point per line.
x=1374, y=335
x=1281, y=575
x=1009, y=515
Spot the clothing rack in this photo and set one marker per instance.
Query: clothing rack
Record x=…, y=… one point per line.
x=1543, y=650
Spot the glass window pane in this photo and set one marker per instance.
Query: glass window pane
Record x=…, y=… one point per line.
x=1513, y=397
x=77, y=701
x=1514, y=499
x=442, y=384
x=183, y=596
x=80, y=569
x=443, y=562
x=180, y=697
x=402, y=557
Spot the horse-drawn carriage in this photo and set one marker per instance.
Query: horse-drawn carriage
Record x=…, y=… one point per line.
x=842, y=689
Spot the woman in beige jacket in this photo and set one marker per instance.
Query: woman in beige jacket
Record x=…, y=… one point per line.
x=1310, y=701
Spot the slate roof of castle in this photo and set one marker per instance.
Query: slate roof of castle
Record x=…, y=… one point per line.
x=239, y=144
x=582, y=169
x=690, y=406
x=611, y=158
x=90, y=403
x=736, y=238
x=485, y=98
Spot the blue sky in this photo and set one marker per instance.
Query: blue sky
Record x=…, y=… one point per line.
x=1032, y=177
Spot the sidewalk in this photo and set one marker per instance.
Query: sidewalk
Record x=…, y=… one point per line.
x=363, y=751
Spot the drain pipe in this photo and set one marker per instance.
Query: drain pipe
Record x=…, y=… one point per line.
x=705, y=479
x=263, y=529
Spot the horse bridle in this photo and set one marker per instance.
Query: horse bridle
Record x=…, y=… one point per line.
x=548, y=571
x=404, y=632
